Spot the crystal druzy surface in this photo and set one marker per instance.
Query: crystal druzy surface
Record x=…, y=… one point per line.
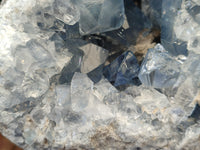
x=60, y=89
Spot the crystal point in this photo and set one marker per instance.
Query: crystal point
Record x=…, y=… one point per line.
x=123, y=70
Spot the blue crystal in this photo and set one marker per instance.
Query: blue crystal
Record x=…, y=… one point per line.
x=123, y=70
x=100, y=16
x=159, y=69
x=135, y=23
x=169, y=40
x=96, y=74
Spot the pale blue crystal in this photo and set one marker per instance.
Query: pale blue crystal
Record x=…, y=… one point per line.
x=169, y=40
x=159, y=69
x=100, y=15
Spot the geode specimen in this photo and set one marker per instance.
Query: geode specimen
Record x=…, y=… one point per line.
x=62, y=63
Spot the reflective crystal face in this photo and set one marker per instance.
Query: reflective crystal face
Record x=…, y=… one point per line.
x=66, y=11
x=184, y=13
x=159, y=69
x=67, y=83
x=96, y=16
x=123, y=70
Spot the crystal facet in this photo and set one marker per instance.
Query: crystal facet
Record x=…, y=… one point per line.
x=95, y=16
x=159, y=69
x=123, y=70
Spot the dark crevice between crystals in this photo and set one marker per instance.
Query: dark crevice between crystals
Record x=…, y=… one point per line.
x=138, y=3
x=196, y=113
x=157, y=38
x=74, y=65
x=192, y=119
x=115, y=49
x=145, y=41
x=69, y=70
x=95, y=39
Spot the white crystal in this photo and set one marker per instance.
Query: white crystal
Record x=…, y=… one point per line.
x=152, y=102
x=191, y=137
x=63, y=95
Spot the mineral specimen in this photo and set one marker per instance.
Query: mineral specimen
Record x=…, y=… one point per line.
x=62, y=90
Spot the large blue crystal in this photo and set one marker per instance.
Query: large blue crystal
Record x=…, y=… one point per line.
x=159, y=69
x=100, y=15
x=123, y=70
x=175, y=46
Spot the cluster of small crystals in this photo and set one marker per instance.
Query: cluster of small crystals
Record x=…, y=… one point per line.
x=60, y=89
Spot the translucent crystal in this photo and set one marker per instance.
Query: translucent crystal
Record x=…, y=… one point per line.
x=159, y=69
x=163, y=71
x=63, y=95
x=103, y=89
x=123, y=70
x=190, y=139
x=80, y=88
x=188, y=90
x=185, y=14
x=169, y=40
x=188, y=18
x=66, y=11
x=95, y=16
x=94, y=56
x=152, y=102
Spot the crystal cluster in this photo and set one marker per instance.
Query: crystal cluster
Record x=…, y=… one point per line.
x=76, y=74
x=123, y=70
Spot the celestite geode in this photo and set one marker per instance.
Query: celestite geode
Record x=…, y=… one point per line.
x=68, y=78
